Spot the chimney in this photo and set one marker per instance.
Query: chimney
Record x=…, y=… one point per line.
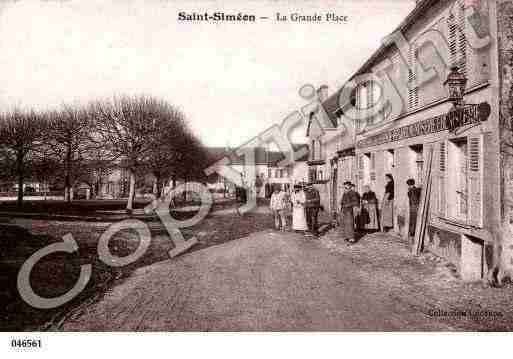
x=322, y=93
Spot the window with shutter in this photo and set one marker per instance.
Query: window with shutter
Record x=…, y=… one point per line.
x=361, y=167
x=442, y=178
x=453, y=47
x=475, y=180
x=373, y=167
x=462, y=39
x=457, y=38
x=413, y=90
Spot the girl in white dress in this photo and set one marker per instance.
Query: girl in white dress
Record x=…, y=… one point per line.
x=298, y=210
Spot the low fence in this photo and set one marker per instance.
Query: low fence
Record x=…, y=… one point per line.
x=32, y=198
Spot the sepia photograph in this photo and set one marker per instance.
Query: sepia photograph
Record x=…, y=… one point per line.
x=272, y=166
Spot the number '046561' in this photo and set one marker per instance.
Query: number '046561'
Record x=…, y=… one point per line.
x=26, y=343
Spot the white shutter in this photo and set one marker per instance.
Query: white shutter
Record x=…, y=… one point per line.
x=442, y=179
x=457, y=37
x=413, y=91
x=462, y=38
x=361, y=171
x=452, y=35
x=373, y=167
x=475, y=180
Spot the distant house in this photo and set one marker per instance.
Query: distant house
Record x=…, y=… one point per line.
x=268, y=172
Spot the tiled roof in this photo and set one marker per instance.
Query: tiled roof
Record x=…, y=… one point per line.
x=262, y=157
x=416, y=13
x=331, y=106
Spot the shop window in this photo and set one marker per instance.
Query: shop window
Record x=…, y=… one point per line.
x=369, y=170
x=390, y=160
x=460, y=164
x=418, y=164
x=363, y=169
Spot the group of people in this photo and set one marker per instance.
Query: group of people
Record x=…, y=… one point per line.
x=361, y=214
x=358, y=214
x=299, y=208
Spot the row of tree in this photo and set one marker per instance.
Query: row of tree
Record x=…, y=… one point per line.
x=141, y=134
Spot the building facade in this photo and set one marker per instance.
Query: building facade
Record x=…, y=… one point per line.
x=331, y=160
x=416, y=130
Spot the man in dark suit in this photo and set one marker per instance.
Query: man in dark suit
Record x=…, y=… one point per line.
x=312, y=205
x=414, y=202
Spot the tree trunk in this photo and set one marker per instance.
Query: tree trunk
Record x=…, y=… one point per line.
x=131, y=192
x=19, y=170
x=67, y=176
x=158, y=186
x=185, y=189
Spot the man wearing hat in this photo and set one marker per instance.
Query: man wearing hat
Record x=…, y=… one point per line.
x=313, y=204
x=349, y=206
x=414, y=202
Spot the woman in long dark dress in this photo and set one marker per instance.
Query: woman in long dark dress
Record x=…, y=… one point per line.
x=370, y=210
x=387, y=206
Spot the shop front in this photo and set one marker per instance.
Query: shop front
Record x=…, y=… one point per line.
x=464, y=201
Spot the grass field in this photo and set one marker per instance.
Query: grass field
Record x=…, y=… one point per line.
x=57, y=273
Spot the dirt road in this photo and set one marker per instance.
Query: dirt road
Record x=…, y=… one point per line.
x=267, y=281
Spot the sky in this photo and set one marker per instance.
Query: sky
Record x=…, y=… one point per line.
x=232, y=80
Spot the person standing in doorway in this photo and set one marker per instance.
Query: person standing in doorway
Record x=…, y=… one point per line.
x=387, y=205
x=313, y=204
x=414, y=202
x=349, y=207
x=370, y=210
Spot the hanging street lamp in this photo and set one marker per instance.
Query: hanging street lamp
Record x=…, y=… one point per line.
x=456, y=84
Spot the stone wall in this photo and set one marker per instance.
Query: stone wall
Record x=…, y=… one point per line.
x=504, y=251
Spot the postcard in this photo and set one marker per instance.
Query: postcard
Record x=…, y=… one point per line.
x=241, y=166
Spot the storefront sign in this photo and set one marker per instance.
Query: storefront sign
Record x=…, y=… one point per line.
x=470, y=114
x=346, y=153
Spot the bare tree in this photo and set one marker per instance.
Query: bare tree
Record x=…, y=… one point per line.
x=21, y=133
x=43, y=169
x=70, y=142
x=124, y=126
x=193, y=160
x=165, y=153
